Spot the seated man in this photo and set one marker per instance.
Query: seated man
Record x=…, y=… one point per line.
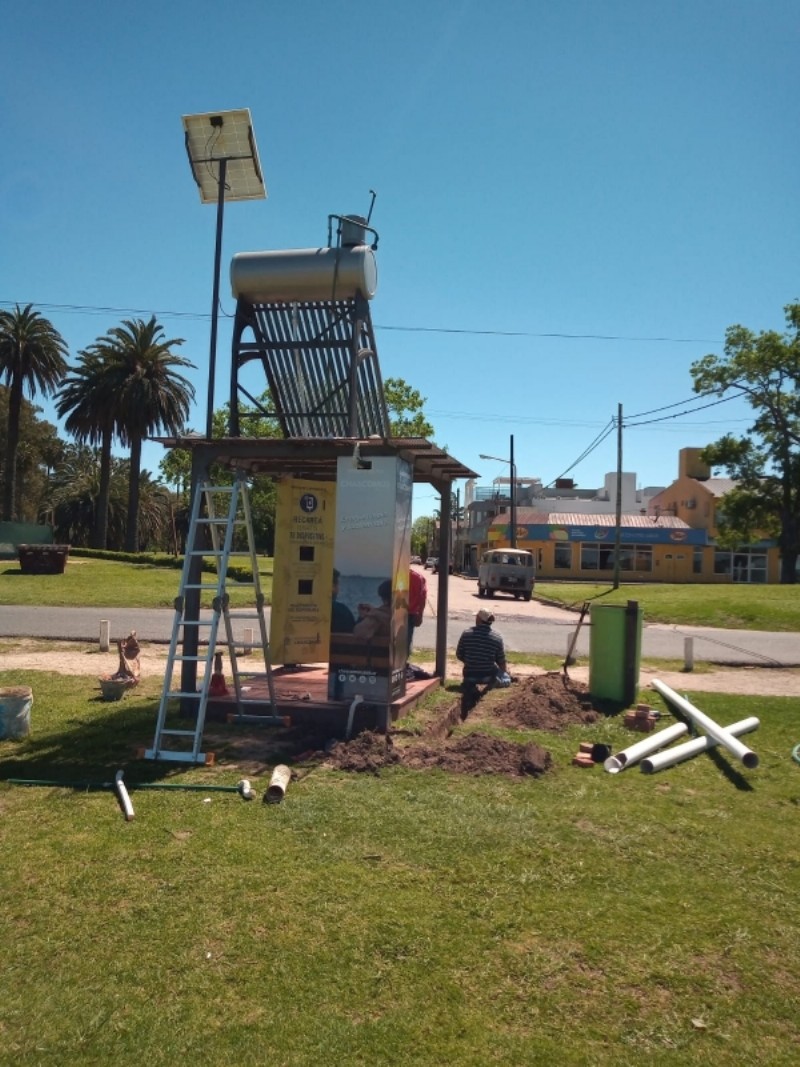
x=482, y=652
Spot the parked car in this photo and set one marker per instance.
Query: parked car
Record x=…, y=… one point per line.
x=432, y=562
x=416, y=559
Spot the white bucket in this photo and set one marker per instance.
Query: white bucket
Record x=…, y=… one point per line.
x=15, y=711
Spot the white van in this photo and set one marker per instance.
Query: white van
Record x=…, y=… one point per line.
x=506, y=570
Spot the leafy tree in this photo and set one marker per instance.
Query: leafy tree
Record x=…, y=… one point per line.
x=765, y=369
x=406, y=417
x=38, y=451
x=422, y=533
x=139, y=369
x=176, y=469
x=32, y=356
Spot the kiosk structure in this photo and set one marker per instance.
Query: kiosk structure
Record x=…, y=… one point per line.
x=304, y=355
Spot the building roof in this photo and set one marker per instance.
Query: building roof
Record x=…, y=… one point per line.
x=530, y=517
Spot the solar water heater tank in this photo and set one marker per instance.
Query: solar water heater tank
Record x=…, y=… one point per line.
x=303, y=274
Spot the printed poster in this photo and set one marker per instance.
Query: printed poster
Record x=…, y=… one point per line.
x=300, y=618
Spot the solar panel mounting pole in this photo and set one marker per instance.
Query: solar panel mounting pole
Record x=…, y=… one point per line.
x=212, y=354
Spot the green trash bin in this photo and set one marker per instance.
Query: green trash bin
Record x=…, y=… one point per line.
x=615, y=646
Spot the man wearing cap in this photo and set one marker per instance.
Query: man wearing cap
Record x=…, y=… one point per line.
x=482, y=651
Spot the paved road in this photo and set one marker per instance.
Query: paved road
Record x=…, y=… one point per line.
x=526, y=627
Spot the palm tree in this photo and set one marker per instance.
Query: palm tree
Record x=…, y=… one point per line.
x=87, y=399
x=148, y=395
x=32, y=355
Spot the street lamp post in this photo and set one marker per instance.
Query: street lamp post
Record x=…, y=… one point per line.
x=513, y=494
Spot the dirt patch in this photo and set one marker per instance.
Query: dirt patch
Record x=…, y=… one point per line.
x=544, y=702
x=471, y=754
x=368, y=752
x=479, y=754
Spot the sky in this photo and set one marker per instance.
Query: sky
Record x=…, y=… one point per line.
x=574, y=201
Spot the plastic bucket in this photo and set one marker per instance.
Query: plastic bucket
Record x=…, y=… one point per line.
x=15, y=711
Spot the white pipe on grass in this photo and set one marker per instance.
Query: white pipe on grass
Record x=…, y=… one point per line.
x=720, y=734
x=660, y=760
x=632, y=754
x=124, y=799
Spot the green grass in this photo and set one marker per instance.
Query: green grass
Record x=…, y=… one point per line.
x=405, y=918
x=105, y=583
x=735, y=607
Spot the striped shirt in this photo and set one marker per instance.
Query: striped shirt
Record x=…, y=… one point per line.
x=481, y=650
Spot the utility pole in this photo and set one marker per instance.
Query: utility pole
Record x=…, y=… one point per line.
x=618, y=509
x=513, y=537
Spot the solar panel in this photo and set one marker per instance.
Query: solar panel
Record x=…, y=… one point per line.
x=227, y=135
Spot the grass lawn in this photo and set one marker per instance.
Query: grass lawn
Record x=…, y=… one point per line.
x=735, y=607
x=401, y=918
x=106, y=583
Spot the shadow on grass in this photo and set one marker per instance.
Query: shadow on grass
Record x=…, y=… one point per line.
x=88, y=750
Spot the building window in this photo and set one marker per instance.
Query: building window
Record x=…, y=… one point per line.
x=697, y=561
x=748, y=565
x=595, y=557
x=562, y=557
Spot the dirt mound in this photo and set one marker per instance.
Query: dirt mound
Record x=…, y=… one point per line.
x=473, y=754
x=546, y=702
x=368, y=752
x=479, y=754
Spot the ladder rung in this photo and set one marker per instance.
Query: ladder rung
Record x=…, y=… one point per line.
x=184, y=693
x=177, y=733
x=182, y=757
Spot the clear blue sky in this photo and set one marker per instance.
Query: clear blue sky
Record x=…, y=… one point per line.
x=546, y=173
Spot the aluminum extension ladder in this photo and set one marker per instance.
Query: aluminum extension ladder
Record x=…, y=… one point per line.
x=218, y=511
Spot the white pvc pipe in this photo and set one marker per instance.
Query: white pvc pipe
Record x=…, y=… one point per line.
x=278, y=784
x=671, y=756
x=124, y=799
x=631, y=755
x=105, y=635
x=720, y=734
x=351, y=714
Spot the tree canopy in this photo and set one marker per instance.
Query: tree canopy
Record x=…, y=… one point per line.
x=406, y=417
x=32, y=356
x=765, y=369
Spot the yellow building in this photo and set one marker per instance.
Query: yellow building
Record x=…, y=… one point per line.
x=673, y=542
x=696, y=498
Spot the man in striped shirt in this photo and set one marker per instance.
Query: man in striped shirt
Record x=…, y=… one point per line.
x=482, y=652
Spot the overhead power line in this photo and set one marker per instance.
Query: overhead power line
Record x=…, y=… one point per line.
x=627, y=424
x=90, y=309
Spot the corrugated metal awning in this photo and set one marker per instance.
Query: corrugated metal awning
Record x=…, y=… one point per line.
x=308, y=457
